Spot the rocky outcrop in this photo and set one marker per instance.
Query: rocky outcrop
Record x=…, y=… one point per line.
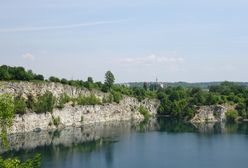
x=25, y=89
x=214, y=113
x=127, y=109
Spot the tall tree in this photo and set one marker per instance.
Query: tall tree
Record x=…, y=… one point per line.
x=90, y=80
x=109, y=79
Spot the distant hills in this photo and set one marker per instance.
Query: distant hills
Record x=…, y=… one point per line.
x=202, y=85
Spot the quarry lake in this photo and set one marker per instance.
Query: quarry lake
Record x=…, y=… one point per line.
x=157, y=143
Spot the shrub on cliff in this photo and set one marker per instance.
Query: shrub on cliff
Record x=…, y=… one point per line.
x=88, y=100
x=231, y=115
x=108, y=99
x=54, y=79
x=20, y=105
x=144, y=112
x=63, y=99
x=39, y=77
x=6, y=116
x=117, y=96
x=44, y=103
x=56, y=121
x=64, y=81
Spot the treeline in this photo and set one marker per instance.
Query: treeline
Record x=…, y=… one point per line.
x=202, y=85
x=183, y=102
x=8, y=73
x=18, y=73
x=180, y=102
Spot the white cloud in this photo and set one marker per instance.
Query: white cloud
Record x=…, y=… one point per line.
x=152, y=60
x=28, y=56
x=68, y=26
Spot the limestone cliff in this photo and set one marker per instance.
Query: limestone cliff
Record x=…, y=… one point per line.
x=39, y=88
x=214, y=113
x=77, y=115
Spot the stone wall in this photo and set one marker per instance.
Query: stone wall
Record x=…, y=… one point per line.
x=127, y=109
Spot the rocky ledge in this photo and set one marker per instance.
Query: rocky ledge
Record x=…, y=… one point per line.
x=214, y=113
x=127, y=109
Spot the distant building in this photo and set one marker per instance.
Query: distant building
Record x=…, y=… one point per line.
x=160, y=84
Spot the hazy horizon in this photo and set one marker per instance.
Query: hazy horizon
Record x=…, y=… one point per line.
x=138, y=41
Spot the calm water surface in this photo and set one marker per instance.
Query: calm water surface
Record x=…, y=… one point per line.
x=161, y=143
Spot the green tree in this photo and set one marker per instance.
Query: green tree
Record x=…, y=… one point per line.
x=44, y=103
x=54, y=79
x=109, y=79
x=6, y=115
x=20, y=105
x=145, y=85
x=116, y=96
x=39, y=77
x=64, y=81
x=90, y=80
x=144, y=111
x=4, y=73
x=231, y=115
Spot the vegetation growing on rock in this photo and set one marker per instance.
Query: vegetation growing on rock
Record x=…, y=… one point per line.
x=231, y=115
x=144, y=112
x=180, y=102
x=88, y=100
x=7, y=109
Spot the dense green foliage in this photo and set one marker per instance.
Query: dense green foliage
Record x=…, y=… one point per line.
x=7, y=109
x=201, y=85
x=44, y=103
x=231, y=115
x=144, y=112
x=55, y=79
x=20, y=105
x=88, y=100
x=18, y=73
x=16, y=163
x=109, y=79
x=117, y=96
x=63, y=99
x=56, y=121
x=182, y=102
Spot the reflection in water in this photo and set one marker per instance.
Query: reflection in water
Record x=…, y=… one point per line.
x=178, y=126
x=66, y=144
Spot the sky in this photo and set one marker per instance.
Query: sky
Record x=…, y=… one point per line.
x=138, y=40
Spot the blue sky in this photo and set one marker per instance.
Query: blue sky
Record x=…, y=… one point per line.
x=138, y=40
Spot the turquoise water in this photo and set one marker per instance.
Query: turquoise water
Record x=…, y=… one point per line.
x=161, y=143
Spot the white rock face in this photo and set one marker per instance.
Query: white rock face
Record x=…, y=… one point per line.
x=81, y=115
x=127, y=109
x=39, y=88
x=215, y=113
